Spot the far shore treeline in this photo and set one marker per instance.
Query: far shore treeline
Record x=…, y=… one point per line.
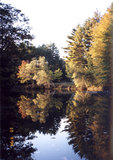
x=88, y=64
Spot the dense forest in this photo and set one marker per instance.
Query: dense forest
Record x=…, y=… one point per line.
x=88, y=64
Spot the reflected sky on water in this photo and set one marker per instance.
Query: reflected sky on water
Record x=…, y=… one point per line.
x=54, y=146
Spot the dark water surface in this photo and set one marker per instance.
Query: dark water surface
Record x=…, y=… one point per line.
x=48, y=126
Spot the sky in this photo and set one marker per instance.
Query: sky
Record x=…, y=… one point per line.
x=53, y=20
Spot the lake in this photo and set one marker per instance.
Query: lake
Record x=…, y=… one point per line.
x=56, y=126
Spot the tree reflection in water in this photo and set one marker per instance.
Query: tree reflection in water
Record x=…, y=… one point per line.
x=42, y=113
x=88, y=127
x=38, y=108
x=13, y=134
x=88, y=123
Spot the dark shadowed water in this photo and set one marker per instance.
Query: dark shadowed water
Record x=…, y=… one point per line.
x=50, y=126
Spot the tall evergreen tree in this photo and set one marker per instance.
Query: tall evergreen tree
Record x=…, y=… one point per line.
x=78, y=62
x=100, y=51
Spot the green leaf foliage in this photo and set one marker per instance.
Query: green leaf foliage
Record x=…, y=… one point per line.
x=57, y=75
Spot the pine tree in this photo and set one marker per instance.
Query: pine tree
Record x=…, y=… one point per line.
x=100, y=51
x=78, y=62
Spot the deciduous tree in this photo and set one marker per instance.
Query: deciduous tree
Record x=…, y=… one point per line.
x=14, y=30
x=36, y=70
